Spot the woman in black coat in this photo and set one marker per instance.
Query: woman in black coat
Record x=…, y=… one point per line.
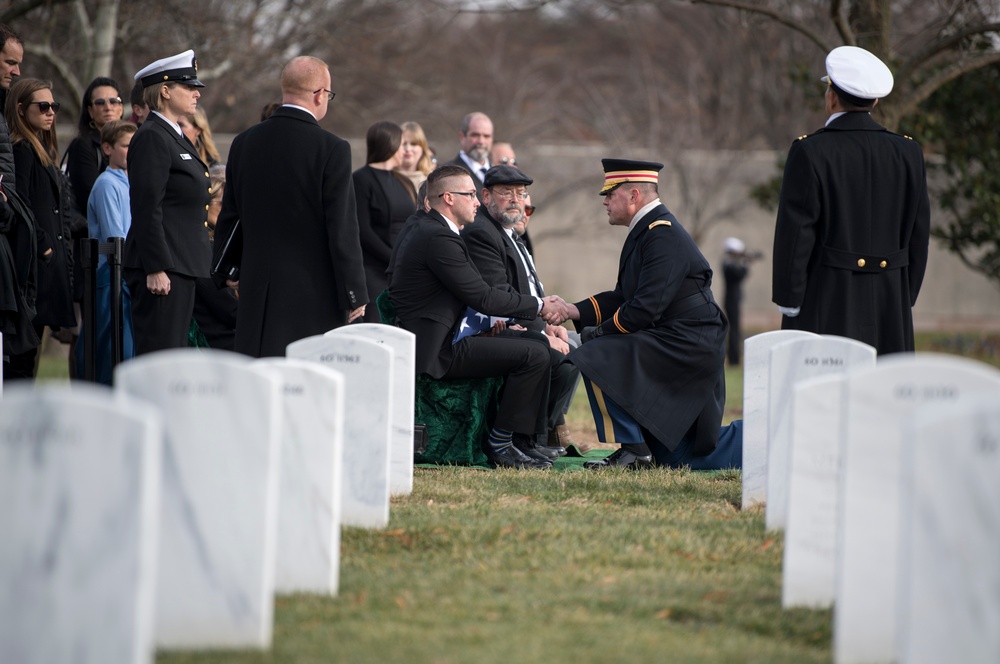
x=31, y=112
x=386, y=199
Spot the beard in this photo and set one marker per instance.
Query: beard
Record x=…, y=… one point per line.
x=508, y=217
x=479, y=153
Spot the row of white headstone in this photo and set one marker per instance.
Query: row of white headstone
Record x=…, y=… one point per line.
x=169, y=511
x=884, y=477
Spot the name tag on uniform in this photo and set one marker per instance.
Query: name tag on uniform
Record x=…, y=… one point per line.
x=185, y=156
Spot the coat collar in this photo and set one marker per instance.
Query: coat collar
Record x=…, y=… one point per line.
x=161, y=124
x=854, y=121
x=294, y=113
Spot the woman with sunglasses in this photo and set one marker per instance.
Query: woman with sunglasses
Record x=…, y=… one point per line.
x=31, y=113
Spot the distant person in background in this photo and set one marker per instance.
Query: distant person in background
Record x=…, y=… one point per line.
x=416, y=163
x=30, y=110
x=475, y=140
x=853, y=226
x=268, y=109
x=195, y=126
x=503, y=153
x=109, y=215
x=288, y=184
x=139, y=109
x=85, y=160
x=167, y=247
x=215, y=310
x=386, y=198
x=735, y=267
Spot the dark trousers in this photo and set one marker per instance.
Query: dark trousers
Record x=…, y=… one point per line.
x=524, y=363
x=160, y=322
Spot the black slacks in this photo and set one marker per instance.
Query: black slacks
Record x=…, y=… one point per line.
x=524, y=363
x=160, y=322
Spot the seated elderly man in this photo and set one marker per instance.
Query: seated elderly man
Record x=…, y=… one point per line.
x=433, y=281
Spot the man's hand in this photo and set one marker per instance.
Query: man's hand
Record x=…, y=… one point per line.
x=356, y=314
x=158, y=283
x=556, y=310
x=557, y=344
x=557, y=331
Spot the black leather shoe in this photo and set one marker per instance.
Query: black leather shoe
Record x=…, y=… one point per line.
x=621, y=458
x=533, y=449
x=559, y=450
x=511, y=457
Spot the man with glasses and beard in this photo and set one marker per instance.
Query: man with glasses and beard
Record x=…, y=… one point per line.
x=505, y=263
x=433, y=281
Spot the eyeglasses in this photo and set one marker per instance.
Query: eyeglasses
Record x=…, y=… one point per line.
x=508, y=160
x=112, y=101
x=459, y=193
x=44, y=106
x=519, y=194
x=529, y=210
x=330, y=93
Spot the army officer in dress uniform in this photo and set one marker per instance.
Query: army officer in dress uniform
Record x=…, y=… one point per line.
x=654, y=347
x=167, y=247
x=850, y=243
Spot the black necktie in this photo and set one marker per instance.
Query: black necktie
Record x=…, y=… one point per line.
x=519, y=243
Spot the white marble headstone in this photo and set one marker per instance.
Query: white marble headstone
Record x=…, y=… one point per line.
x=949, y=602
x=791, y=362
x=878, y=401
x=367, y=368
x=810, y=556
x=79, y=517
x=312, y=398
x=404, y=347
x=756, y=377
x=221, y=468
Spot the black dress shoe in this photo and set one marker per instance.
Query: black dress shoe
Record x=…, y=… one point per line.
x=511, y=457
x=533, y=449
x=622, y=458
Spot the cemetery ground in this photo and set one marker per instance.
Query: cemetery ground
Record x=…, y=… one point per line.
x=576, y=566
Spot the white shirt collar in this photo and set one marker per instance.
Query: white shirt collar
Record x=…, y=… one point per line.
x=474, y=165
x=451, y=224
x=170, y=122
x=301, y=108
x=643, y=211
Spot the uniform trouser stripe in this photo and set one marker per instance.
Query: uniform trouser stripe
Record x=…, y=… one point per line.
x=624, y=429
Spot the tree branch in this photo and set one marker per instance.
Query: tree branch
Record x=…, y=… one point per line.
x=950, y=72
x=942, y=44
x=838, y=14
x=773, y=14
x=15, y=12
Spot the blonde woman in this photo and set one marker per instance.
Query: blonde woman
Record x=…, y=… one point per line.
x=416, y=162
x=195, y=126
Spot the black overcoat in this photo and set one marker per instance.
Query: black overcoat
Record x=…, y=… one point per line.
x=432, y=280
x=850, y=243
x=662, y=351
x=288, y=182
x=39, y=186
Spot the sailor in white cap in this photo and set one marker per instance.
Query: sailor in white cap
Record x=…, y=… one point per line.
x=851, y=238
x=167, y=247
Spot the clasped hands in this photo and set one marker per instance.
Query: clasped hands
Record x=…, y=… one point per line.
x=557, y=311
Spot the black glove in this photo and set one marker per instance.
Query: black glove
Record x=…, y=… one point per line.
x=591, y=332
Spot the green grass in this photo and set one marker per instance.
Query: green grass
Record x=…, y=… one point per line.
x=506, y=566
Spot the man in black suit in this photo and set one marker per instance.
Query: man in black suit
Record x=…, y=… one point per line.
x=433, y=281
x=851, y=238
x=504, y=262
x=475, y=140
x=653, y=350
x=288, y=185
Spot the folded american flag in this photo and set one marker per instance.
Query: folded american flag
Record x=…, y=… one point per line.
x=474, y=323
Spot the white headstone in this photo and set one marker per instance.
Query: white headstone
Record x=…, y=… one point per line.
x=367, y=370
x=791, y=362
x=949, y=603
x=810, y=557
x=756, y=378
x=312, y=397
x=404, y=347
x=877, y=403
x=221, y=465
x=79, y=512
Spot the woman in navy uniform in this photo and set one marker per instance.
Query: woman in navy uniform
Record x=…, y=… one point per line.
x=167, y=247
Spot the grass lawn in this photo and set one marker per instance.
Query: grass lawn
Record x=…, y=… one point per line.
x=577, y=566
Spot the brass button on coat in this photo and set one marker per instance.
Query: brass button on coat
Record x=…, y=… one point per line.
x=882, y=264
x=861, y=262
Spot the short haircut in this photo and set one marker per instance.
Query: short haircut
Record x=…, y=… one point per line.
x=7, y=32
x=467, y=120
x=135, y=96
x=436, y=179
x=850, y=102
x=112, y=132
x=302, y=74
